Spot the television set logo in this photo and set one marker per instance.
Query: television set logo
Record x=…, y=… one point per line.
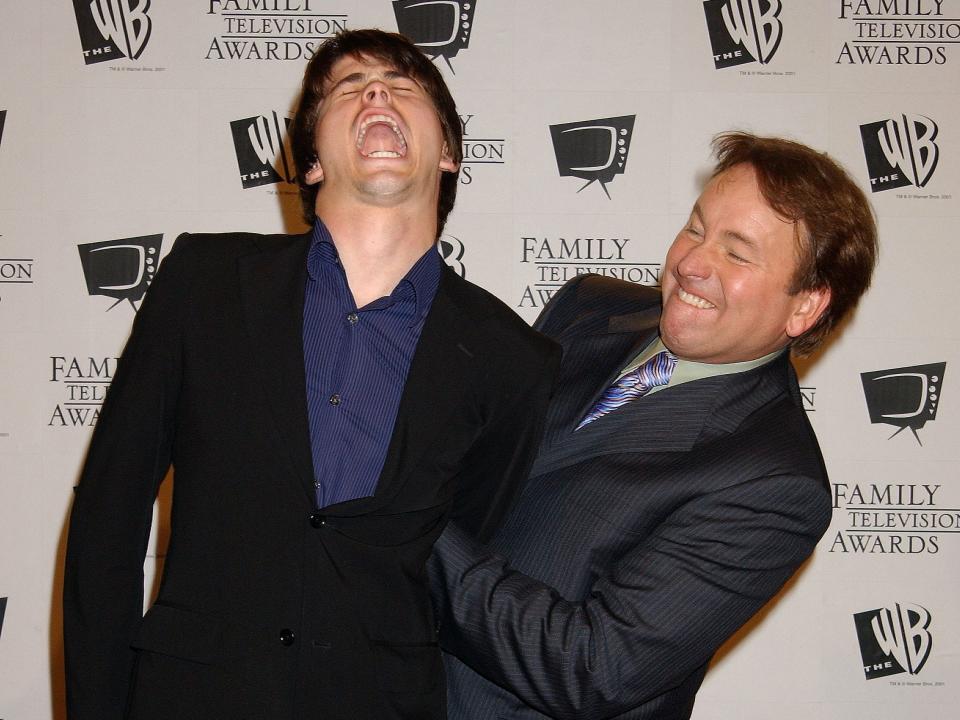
x=263, y=150
x=593, y=150
x=440, y=28
x=743, y=31
x=121, y=269
x=894, y=640
x=904, y=397
x=111, y=29
x=451, y=250
x=900, y=151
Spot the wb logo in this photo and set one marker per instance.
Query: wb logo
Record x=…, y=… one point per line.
x=263, y=151
x=451, y=250
x=121, y=269
x=904, y=397
x=440, y=28
x=894, y=640
x=743, y=31
x=111, y=29
x=900, y=151
x=593, y=150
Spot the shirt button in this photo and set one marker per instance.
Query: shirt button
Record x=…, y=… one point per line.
x=287, y=637
x=334, y=399
x=353, y=318
x=317, y=520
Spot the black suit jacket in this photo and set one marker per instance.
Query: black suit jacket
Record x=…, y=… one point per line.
x=269, y=607
x=639, y=543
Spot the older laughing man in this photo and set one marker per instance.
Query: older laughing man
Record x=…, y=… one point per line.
x=679, y=484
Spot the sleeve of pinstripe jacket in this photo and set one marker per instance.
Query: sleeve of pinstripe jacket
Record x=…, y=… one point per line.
x=660, y=611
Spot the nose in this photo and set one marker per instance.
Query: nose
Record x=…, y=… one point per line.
x=376, y=93
x=696, y=261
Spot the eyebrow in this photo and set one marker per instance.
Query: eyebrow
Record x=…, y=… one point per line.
x=749, y=242
x=358, y=77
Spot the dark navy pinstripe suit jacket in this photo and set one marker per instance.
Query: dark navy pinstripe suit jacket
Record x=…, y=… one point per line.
x=640, y=543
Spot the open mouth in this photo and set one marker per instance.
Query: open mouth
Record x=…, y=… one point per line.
x=695, y=300
x=380, y=137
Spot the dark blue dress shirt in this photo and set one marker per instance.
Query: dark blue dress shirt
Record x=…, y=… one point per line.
x=356, y=361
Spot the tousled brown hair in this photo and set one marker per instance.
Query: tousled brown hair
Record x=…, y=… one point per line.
x=835, y=227
x=405, y=57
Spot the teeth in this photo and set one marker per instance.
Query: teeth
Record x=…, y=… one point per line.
x=387, y=120
x=694, y=300
x=384, y=154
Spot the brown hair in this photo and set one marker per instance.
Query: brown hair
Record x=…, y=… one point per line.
x=835, y=227
x=405, y=57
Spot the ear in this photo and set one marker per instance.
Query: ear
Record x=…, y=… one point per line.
x=314, y=174
x=810, y=305
x=447, y=163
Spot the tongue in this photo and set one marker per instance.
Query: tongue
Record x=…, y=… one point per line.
x=380, y=137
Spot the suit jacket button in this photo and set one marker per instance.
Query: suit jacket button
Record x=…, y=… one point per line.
x=287, y=637
x=317, y=520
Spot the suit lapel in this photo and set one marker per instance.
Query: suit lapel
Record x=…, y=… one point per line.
x=273, y=283
x=591, y=363
x=439, y=379
x=672, y=420
x=665, y=421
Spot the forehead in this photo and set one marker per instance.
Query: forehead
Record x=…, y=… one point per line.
x=735, y=195
x=735, y=186
x=733, y=199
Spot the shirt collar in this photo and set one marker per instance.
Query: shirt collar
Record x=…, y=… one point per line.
x=424, y=278
x=322, y=250
x=421, y=280
x=687, y=370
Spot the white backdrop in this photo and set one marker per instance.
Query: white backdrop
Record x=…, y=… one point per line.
x=114, y=131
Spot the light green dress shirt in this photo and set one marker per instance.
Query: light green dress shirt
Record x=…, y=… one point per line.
x=687, y=371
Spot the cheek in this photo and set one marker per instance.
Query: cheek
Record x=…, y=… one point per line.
x=758, y=306
x=740, y=285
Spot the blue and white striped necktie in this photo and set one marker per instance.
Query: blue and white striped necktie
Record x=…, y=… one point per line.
x=654, y=372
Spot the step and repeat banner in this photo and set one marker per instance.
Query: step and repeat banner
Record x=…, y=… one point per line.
x=586, y=140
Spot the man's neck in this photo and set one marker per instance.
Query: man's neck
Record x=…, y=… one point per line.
x=377, y=246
